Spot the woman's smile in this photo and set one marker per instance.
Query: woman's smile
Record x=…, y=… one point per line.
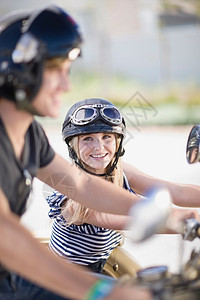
x=97, y=150
x=98, y=156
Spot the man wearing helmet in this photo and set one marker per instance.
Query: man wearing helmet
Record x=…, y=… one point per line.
x=36, y=50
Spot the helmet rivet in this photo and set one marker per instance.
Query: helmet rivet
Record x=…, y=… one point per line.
x=20, y=95
x=4, y=65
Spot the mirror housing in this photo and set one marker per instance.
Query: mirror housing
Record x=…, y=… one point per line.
x=193, y=149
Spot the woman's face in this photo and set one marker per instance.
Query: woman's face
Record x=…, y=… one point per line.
x=55, y=82
x=97, y=150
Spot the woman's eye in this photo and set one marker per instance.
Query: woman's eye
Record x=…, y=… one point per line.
x=87, y=138
x=106, y=136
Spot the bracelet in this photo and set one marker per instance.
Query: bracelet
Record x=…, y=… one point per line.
x=100, y=289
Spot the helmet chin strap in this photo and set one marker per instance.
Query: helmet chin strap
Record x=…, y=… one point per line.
x=120, y=152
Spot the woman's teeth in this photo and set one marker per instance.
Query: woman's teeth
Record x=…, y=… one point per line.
x=98, y=155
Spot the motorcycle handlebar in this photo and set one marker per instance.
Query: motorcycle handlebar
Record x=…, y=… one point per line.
x=191, y=229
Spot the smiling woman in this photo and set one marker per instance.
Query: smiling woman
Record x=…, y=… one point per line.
x=92, y=116
x=93, y=130
x=97, y=150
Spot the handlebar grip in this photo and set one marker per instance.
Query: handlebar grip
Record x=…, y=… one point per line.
x=191, y=229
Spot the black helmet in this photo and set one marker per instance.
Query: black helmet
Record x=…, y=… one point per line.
x=93, y=116
x=27, y=40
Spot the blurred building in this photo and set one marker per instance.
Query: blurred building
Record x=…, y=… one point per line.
x=150, y=41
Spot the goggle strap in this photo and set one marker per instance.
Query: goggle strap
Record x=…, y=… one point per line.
x=120, y=152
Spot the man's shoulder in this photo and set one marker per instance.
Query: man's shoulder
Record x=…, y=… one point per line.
x=37, y=129
x=36, y=124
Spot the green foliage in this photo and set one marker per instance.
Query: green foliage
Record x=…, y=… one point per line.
x=176, y=103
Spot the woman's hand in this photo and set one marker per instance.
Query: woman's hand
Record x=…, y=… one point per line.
x=178, y=216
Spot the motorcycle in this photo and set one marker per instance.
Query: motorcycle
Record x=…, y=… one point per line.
x=166, y=285
x=149, y=217
x=174, y=286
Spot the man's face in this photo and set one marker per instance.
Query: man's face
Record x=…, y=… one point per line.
x=55, y=83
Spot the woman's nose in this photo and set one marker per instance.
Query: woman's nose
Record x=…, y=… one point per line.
x=98, y=144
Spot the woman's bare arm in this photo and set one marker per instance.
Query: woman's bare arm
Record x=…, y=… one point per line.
x=185, y=195
x=91, y=191
x=118, y=222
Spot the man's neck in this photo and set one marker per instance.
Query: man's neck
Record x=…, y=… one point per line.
x=16, y=123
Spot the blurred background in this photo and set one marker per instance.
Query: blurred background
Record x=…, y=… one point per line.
x=143, y=56
x=150, y=47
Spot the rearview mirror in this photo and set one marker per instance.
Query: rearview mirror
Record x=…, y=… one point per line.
x=192, y=151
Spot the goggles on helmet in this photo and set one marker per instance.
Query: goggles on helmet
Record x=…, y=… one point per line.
x=88, y=113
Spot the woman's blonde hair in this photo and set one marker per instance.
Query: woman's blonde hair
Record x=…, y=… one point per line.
x=74, y=212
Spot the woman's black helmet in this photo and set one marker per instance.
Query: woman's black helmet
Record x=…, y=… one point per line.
x=27, y=40
x=93, y=116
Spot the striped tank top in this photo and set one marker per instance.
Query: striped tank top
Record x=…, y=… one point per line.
x=82, y=244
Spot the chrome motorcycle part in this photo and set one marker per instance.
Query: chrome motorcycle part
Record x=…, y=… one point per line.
x=152, y=273
x=149, y=215
x=193, y=149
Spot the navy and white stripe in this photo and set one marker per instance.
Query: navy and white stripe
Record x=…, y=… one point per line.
x=83, y=244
